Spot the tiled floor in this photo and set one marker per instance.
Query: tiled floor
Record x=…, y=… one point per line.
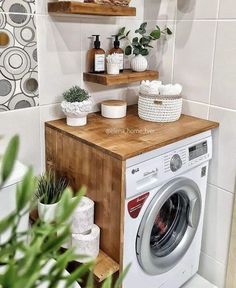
x=198, y=282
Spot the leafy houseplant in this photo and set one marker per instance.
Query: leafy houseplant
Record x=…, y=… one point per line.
x=39, y=262
x=49, y=193
x=76, y=106
x=140, y=45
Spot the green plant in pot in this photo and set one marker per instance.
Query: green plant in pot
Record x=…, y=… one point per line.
x=39, y=262
x=76, y=106
x=49, y=192
x=140, y=45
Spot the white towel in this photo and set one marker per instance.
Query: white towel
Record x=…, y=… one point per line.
x=170, y=90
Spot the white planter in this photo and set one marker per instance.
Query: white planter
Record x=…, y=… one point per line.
x=47, y=212
x=76, y=112
x=139, y=63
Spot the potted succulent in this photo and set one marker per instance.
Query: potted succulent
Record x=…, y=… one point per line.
x=49, y=192
x=140, y=45
x=76, y=106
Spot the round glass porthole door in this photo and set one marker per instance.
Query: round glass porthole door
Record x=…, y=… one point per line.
x=168, y=226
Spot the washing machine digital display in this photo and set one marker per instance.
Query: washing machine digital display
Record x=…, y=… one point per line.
x=197, y=150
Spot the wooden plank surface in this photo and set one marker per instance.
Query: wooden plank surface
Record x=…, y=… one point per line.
x=128, y=76
x=112, y=135
x=101, y=174
x=64, y=7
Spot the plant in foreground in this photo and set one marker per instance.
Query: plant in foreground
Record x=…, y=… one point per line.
x=22, y=263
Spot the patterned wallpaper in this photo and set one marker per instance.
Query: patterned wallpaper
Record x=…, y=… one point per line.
x=18, y=55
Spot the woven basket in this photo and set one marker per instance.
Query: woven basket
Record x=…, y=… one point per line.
x=156, y=108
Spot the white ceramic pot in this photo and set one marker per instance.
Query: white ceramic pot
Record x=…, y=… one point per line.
x=47, y=212
x=139, y=63
x=76, y=112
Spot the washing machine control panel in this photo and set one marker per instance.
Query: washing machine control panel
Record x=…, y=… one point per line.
x=175, y=163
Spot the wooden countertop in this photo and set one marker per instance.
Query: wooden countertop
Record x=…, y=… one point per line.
x=130, y=136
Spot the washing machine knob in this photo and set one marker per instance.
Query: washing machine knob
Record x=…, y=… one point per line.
x=175, y=163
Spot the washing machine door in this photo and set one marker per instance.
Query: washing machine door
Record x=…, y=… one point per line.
x=168, y=226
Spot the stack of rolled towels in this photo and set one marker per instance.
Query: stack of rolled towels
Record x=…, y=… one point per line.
x=85, y=236
x=157, y=88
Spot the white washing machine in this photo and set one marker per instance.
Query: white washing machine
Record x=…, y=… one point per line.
x=164, y=208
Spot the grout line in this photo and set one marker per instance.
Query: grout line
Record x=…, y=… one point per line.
x=174, y=48
x=212, y=69
x=218, y=9
x=213, y=106
x=214, y=259
x=218, y=187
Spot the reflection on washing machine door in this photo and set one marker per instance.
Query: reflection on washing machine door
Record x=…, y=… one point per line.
x=168, y=226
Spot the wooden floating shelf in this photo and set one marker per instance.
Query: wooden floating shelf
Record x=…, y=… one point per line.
x=128, y=76
x=104, y=267
x=64, y=7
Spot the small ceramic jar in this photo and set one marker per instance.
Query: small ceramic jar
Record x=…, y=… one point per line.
x=114, y=109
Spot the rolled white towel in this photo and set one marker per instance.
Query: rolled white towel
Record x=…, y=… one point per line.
x=170, y=90
x=150, y=87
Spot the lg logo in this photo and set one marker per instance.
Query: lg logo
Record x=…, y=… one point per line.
x=135, y=170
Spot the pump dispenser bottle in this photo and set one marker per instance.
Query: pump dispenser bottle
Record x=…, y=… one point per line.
x=96, y=57
x=118, y=50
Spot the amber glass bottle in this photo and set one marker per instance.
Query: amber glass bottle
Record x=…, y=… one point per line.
x=118, y=50
x=96, y=57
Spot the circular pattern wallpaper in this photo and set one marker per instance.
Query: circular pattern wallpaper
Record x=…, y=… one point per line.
x=18, y=55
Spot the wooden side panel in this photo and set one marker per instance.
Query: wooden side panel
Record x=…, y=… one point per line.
x=102, y=174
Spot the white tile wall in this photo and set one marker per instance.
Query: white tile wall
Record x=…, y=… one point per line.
x=196, y=109
x=223, y=165
x=227, y=9
x=160, y=9
x=25, y=123
x=193, y=58
x=212, y=270
x=216, y=231
x=197, y=9
x=223, y=94
x=204, y=63
x=161, y=57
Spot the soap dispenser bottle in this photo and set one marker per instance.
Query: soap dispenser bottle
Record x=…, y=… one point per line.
x=119, y=51
x=96, y=57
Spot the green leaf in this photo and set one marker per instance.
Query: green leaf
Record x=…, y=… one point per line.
x=7, y=222
x=136, y=51
x=25, y=190
x=9, y=158
x=156, y=34
x=128, y=50
x=90, y=281
x=168, y=31
x=135, y=40
x=144, y=52
x=78, y=273
x=68, y=204
x=127, y=34
x=107, y=283
x=121, y=31
x=144, y=40
x=122, y=277
x=143, y=26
